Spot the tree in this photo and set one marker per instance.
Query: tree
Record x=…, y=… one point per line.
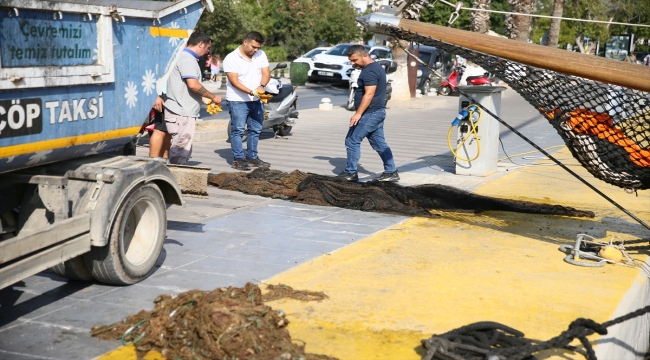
x=229, y=23
x=633, y=12
x=554, y=31
x=480, y=20
x=519, y=26
x=336, y=22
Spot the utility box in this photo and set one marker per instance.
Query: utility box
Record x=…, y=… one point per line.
x=478, y=156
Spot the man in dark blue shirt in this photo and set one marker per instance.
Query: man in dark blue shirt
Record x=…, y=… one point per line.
x=368, y=120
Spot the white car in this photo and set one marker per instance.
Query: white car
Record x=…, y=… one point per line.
x=309, y=56
x=334, y=66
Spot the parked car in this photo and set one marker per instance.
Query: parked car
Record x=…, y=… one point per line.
x=308, y=57
x=334, y=66
x=438, y=59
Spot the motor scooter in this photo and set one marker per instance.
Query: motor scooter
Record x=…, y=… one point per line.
x=449, y=85
x=280, y=111
x=389, y=66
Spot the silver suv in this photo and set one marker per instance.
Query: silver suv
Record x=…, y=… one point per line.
x=334, y=66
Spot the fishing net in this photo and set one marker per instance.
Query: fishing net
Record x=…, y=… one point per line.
x=377, y=196
x=226, y=323
x=606, y=127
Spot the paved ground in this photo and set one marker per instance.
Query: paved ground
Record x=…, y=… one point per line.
x=232, y=238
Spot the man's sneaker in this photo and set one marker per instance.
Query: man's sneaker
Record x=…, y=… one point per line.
x=258, y=162
x=240, y=164
x=348, y=177
x=394, y=176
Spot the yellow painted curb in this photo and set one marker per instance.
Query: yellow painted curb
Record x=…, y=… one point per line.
x=429, y=276
x=128, y=353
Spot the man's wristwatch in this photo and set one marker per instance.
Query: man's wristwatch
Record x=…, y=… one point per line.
x=262, y=85
x=251, y=93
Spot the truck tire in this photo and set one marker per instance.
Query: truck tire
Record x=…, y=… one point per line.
x=73, y=269
x=136, y=240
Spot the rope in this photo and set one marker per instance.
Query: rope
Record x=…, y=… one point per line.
x=550, y=157
x=490, y=340
x=534, y=15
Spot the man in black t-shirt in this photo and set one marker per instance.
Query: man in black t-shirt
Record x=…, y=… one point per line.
x=368, y=120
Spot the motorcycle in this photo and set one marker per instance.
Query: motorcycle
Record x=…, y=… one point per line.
x=389, y=66
x=280, y=111
x=449, y=85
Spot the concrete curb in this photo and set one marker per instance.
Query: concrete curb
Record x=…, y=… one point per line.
x=210, y=135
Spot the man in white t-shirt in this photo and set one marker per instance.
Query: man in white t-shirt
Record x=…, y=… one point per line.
x=247, y=71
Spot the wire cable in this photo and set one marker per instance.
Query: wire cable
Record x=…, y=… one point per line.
x=534, y=15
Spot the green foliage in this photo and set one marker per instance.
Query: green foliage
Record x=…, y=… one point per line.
x=336, y=22
x=439, y=15
x=498, y=21
x=628, y=11
x=291, y=24
x=228, y=24
x=275, y=53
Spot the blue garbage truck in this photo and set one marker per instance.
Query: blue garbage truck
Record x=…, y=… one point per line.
x=77, y=80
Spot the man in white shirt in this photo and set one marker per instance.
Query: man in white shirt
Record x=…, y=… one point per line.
x=247, y=71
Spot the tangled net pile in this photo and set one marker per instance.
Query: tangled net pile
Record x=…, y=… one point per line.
x=226, y=323
x=491, y=340
x=606, y=127
x=374, y=195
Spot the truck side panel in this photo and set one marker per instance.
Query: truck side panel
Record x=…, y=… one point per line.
x=46, y=117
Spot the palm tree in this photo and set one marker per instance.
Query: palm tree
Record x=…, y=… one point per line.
x=554, y=32
x=480, y=20
x=519, y=26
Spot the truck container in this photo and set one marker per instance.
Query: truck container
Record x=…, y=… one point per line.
x=77, y=80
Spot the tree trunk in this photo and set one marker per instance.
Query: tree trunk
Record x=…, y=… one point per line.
x=554, y=31
x=581, y=46
x=480, y=20
x=399, y=78
x=519, y=26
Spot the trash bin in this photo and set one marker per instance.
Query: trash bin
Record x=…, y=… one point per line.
x=298, y=73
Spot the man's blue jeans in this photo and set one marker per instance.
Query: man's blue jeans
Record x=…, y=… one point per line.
x=243, y=113
x=371, y=125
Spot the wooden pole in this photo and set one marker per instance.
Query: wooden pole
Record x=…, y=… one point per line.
x=633, y=76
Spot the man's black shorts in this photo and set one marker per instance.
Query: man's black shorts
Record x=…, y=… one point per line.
x=158, y=120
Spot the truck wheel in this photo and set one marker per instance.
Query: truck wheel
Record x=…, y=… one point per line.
x=243, y=138
x=137, y=237
x=73, y=269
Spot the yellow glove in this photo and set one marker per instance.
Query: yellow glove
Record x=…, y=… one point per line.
x=213, y=107
x=264, y=98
